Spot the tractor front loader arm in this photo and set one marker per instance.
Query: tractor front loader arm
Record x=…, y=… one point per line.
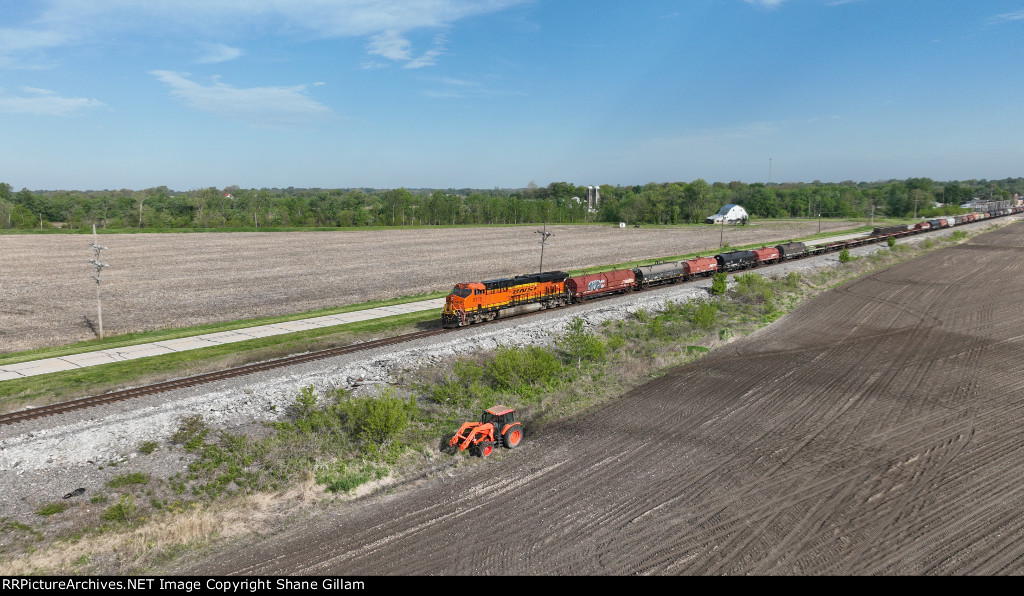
x=471, y=433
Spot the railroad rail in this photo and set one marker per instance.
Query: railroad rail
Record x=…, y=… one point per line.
x=106, y=398
x=114, y=396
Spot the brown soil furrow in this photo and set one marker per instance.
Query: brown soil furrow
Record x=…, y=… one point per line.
x=873, y=430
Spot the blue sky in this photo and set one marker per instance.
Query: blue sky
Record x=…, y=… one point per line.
x=109, y=94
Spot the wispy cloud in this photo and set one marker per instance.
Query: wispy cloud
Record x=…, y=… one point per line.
x=450, y=88
x=385, y=22
x=214, y=53
x=259, y=107
x=766, y=3
x=43, y=102
x=1009, y=16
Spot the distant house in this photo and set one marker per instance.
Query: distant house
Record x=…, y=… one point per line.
x=730, y=213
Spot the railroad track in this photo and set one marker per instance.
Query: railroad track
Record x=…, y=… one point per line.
x=106, y=398
x=86, y=402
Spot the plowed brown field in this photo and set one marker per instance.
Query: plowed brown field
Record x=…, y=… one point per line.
x=170, y=280
x=874, y=430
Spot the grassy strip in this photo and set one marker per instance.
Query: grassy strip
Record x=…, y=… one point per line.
x=60, y=386
x=131, y=339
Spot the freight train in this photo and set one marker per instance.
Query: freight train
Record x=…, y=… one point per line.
x=476, y=302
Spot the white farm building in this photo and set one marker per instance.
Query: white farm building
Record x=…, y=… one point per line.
x=731, y=213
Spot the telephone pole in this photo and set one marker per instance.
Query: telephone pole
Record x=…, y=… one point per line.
x=98, y=266
x=544, y=235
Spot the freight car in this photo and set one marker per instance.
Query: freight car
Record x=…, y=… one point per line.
x=599, y=284
x=887, y=230
x=766, y=256
x=735, y=260
x=487, y=300
x=792, y=250
x=705, y=266
x=659, y=273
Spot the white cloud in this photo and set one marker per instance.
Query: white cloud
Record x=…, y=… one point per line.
x=43, y=102
x=391, y=45
x=385, y=22
x=260, y=107
x=1009, y=16
x=214, y=53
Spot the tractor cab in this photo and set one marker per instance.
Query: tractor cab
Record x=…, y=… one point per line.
x=499, y=416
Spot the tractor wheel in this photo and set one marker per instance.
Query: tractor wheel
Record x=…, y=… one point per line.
x=485, y=448
x=513, y=437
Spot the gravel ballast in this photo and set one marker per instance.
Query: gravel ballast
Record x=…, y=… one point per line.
x=42, y=460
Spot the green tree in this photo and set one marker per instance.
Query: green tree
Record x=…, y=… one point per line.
x=719, y=283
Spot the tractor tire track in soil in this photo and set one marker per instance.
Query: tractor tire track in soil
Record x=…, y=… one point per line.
x=873, y=430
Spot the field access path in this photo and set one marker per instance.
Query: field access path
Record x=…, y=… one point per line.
x=873, y=430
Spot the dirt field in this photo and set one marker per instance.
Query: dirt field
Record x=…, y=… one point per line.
x=173, y=280
x=874, y=430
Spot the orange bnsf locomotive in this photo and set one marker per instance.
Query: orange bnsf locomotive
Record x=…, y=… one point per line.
x=487, y=300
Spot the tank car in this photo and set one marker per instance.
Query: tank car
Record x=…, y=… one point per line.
x=659, y=273
x=737, y=259
x=792, y=250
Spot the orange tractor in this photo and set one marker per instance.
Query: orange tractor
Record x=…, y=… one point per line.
x=497, y=424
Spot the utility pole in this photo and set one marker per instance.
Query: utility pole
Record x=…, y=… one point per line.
x=721, y=236
x=98, y=266
x=544, y=235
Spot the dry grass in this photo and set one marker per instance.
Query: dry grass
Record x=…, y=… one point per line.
x=132, y=549
x=173, y=280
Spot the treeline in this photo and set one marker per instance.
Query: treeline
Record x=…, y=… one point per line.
x=559, y=202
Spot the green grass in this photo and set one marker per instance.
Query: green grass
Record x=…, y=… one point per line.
x=51, y=509
x=131, y=339
x=108, y=377
x=128, y=480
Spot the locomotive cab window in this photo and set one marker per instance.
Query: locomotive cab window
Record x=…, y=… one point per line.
x=461, y=292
